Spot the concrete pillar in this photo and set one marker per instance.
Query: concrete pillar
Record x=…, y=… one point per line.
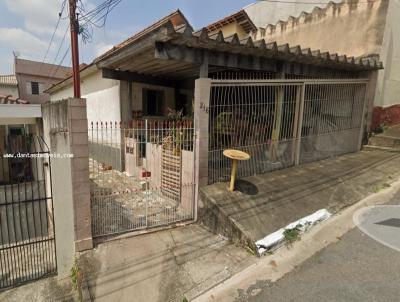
x=65, y=129
x=201, y=120
x=370, y=99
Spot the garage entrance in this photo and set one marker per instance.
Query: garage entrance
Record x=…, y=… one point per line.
x=282, y=123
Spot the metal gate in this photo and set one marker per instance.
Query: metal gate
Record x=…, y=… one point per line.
x=281, y=123
x=142, y=174
x=27, y=241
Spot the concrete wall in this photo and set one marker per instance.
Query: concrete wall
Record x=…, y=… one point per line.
x=201, y=119
x=263, y=13
x=230, y=29
x=355, y=29
x=102, y=96
x=388, y=86
x=351, y=29
x=65, y=129
x=9, y=90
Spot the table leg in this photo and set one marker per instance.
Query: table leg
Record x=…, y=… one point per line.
x=233, y=175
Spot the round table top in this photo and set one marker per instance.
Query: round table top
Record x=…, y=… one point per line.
x=236, y=154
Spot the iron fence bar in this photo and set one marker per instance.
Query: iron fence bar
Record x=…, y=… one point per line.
x=26, y=201
x=23, y=256
x=288, y=82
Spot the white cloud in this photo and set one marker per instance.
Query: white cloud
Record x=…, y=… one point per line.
x=40, y=16
x=101, y=48
x=22, y=41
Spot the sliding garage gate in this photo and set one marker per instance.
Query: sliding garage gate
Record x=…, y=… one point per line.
x=281, y=123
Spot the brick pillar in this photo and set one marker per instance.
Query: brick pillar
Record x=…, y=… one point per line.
x=65, y=130
x=201, y=117
x=78, y=127
x=371, y=101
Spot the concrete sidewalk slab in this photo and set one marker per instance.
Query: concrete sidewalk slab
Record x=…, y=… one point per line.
x=47, y=289
x=161, y=266
x=264, y=203
x=267, y=270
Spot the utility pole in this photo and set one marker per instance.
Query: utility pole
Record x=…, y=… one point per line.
x=74, y=27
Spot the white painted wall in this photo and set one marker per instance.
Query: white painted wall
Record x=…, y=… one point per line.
x=388, y=85
x=102, y=96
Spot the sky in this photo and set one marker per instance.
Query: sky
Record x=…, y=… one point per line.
x=26, y=26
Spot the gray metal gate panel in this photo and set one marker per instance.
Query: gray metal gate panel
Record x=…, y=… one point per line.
x=142, y=175
x=281, y=123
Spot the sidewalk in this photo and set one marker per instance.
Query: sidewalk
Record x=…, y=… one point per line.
x=187, y=261
x=161, y=266
x=265, y=203
x=258, y=281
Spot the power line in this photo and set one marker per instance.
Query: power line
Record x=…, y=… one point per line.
x=97, y=17
x=54, y=32
x=61, y=44
x=61, y=62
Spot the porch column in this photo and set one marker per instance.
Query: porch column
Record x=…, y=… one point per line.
x=65, y=128
x=201, y=117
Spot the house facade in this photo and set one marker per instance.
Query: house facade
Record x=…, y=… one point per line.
x=239, y=23
x=164, y=104
x=35, y=77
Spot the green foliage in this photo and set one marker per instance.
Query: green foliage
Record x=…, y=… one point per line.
x=75, y=272
x=184, y=299
x=381, y=128
x=292, y=235
x=381, y=187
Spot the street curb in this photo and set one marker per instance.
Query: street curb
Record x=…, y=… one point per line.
x=272, y=268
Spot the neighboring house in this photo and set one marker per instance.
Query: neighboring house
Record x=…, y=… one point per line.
x=8, y=85
x=356, y=28
x=35, y=77
x=263, y=13
x=238, y=23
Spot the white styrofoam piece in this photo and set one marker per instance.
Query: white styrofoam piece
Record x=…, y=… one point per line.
x=276, y=238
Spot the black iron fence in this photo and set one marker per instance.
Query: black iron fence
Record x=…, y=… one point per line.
x=27, y=241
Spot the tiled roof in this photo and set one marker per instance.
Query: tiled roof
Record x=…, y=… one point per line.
x=175, y=27
x=8, y=99
x=176, y=18
x=218, y=42
x=240, y=17
x=283, y=52
x=8, y=80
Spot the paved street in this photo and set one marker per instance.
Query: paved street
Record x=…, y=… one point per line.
x=356, y=268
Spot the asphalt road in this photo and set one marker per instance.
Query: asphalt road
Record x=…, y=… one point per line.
x=356, y=268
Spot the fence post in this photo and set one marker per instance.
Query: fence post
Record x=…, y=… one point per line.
x=300, y=124
x=363, y=125
x=201, y=121
x=66, y=131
